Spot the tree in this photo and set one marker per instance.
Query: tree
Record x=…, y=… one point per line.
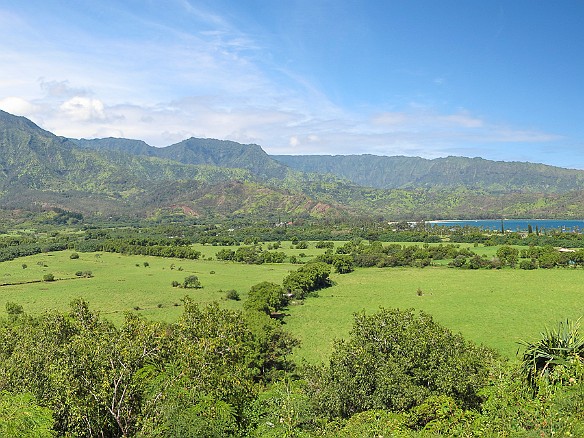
x=266, y=297
x=192, y=281
x=343, y=263
x=308, y=278
x=395, y=360
x=508, y=255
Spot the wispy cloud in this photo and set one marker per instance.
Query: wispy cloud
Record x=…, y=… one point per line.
x=207, y=78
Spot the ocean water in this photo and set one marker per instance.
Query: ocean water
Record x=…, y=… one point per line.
x=516, y=224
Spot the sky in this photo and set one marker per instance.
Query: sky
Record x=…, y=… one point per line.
x=502, y=80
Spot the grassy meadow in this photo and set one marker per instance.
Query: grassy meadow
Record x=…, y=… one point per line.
x=492, y=307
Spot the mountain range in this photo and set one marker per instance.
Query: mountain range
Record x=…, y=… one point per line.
x=217, y=179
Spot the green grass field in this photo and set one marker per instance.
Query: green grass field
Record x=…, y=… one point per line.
x=121, y=283
x=496, y=308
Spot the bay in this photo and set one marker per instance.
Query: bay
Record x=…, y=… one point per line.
x=515, y=224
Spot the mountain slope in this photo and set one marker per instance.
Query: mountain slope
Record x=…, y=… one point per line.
x=413, y=172
x=122, y=177
x=197, y=151
x=134, y=147
x=38, y=168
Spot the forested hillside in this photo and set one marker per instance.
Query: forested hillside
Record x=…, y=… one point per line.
x=414, y=172
x=219, y=179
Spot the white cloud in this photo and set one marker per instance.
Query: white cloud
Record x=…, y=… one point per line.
x=18, y=106
x=83, y=109
x=463, y=120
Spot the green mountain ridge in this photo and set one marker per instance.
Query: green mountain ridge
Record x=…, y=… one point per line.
x=217, y=179
x=414, y=172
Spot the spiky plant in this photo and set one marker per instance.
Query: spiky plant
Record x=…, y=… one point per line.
x=560, y=346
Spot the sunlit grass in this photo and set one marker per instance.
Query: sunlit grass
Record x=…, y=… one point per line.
x=496, y=308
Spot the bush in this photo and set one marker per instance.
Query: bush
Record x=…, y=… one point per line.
x=458, y=261
x=192, y=281
x=146, y=264
x=48, y=277
x=562, y=347
x=528, y=264
x=13, y=308
x=74, y=256
x=79, y=273
x=24, y=266
x=175, y=283
x=232, y=294
x=308, y=278
x=323, y=244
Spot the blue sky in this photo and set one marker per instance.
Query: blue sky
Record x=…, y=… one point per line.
x=503, y=80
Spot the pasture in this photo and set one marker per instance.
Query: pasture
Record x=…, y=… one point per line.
x=493, y=307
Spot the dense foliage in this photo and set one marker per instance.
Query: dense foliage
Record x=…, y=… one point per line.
x=222, y=373
x=218, y=372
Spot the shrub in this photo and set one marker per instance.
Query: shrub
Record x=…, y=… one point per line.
x=175, y=283
x=87, y=274
x=528, y=264
x=192, y=281
x=74, y=256
x=146, y=264
x=561, y=346
x=458, y=261
x=79, y=273
x=323, y=244
x=308, y=278
x=232, y=294
x=24, y=266
x=13, y=308
x=48, y=277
